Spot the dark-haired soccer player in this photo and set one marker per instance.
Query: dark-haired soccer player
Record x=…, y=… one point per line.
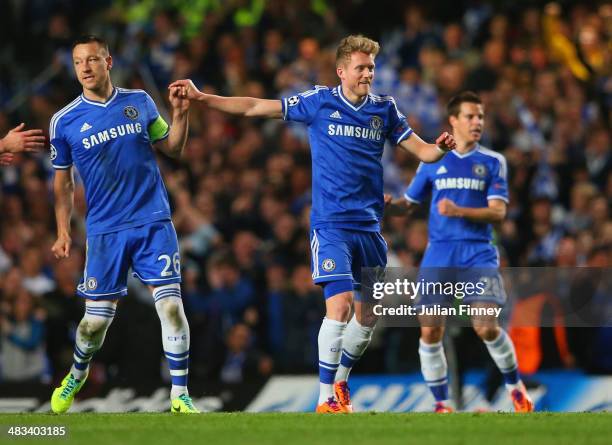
x=347, y=127
x=107, y=133
x=469, y=193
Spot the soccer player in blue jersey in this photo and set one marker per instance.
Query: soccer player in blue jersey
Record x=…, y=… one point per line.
x=108, y=134
x=347, y=127
x=469, y=193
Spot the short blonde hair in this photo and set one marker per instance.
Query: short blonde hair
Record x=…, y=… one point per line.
x=355, y=43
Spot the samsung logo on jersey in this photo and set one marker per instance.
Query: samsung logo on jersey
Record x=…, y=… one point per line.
x=113, y=133
x=460, y=183
x=352, y=130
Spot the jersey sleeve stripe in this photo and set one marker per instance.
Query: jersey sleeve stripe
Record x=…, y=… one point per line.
x=411, y=199
x=130, y=91
x=503, y=198
x=61, y=167
x=503, y=166
x=404, y=135
x=57, y=116
x=315, y=90
x=400, y=115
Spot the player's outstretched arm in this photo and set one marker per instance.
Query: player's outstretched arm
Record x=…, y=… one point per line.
x=18, y=140
x=429, y=153
x=63, y=189
x=241, y=106
x=174, y=144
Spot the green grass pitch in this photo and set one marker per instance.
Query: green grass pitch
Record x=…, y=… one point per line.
x=312, y=429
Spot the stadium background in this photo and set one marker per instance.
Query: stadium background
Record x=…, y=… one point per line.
x=240, y=195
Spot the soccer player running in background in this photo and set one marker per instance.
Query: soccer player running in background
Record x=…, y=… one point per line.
x=347, y=127
x=19, y=140
x=107, y=133
x=469, y=193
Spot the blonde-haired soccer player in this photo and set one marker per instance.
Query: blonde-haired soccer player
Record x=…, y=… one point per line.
x=347, y=126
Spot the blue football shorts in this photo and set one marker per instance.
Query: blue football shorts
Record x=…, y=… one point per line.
x=472, y=267
x=151, y=250
x=340, y=254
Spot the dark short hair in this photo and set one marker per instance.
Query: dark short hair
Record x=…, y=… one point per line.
x=90, y=38
x=454, y=105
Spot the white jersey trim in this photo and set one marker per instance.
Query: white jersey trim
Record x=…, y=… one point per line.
x=500, y=197
x=503, y=166
x=411, y=199
x=57, y=116
x=349, y=104
x=464, y=155
x=100, y=104
x=130, y=91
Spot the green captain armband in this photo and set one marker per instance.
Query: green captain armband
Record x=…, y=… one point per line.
x=158, y=130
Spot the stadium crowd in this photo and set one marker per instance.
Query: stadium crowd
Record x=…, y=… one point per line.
x=240, y=195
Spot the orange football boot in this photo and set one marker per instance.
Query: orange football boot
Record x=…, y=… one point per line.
x=441, y=408
x=343, y=395
x=521, y=400
x=330, y=407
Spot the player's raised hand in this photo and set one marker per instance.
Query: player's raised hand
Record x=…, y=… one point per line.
x=446, y=207
x=187, y=89
x=178, y=99
x=17, y=140
x=446, y=141
x=61, y=247
x=6, y=158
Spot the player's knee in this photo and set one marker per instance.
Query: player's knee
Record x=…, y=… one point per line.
x=366, y=318
x=91, y=327
x=170, y=310
x=340, y=312
x=488, y=333
x=339, y=306
x=432, y=334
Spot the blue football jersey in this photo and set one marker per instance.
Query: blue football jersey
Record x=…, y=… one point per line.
x=469, y=180
x=346, y=143
x=110, y=145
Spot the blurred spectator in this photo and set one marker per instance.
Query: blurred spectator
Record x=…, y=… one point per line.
x=22, y=340
x=485, y=76
x=578, y=217
x=230, y=294
x=241, y=362
x=294, y=314
x=599, y=156
x=34, y=280
x=545, y=234
x=64, y=312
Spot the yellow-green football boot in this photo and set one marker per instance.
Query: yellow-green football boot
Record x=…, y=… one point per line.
x=183, y=405
x=63, y=395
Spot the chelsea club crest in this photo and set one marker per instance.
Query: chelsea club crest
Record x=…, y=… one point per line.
x=479, y=170
x=376, y=122
x=328, y=265
x=131, y=112
x=91, y=283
